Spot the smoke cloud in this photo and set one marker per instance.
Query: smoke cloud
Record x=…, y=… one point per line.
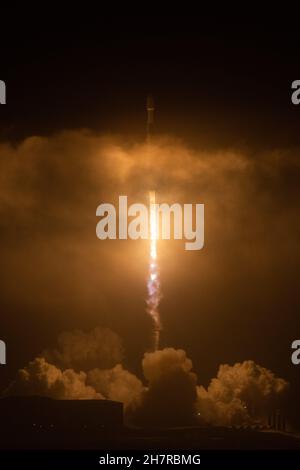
x=170, y=396
x=44, y=379
x=117, y=384
x=83, y=351
x=67, y=371
x=240, y=394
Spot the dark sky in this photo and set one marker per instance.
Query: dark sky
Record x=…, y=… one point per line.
x=219, y=85
x=231, y=75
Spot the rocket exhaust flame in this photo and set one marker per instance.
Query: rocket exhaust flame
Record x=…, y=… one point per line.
x=153, y=283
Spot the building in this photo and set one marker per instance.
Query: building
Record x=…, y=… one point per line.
x=19, y=412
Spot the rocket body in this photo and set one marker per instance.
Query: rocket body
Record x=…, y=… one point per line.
x=150, y=116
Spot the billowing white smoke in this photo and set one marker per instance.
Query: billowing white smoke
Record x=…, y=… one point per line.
x=116, y=384
x=166, y=361
x=82, y=366
x=41, y=378
x=240, y=394
x=170, y=397
x=100, y=347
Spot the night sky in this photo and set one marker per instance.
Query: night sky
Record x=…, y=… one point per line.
x=222, y=89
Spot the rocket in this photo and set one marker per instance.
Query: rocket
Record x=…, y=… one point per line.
x=150, y=116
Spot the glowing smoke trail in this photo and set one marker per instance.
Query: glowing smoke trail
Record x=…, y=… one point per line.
x=153, y=283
